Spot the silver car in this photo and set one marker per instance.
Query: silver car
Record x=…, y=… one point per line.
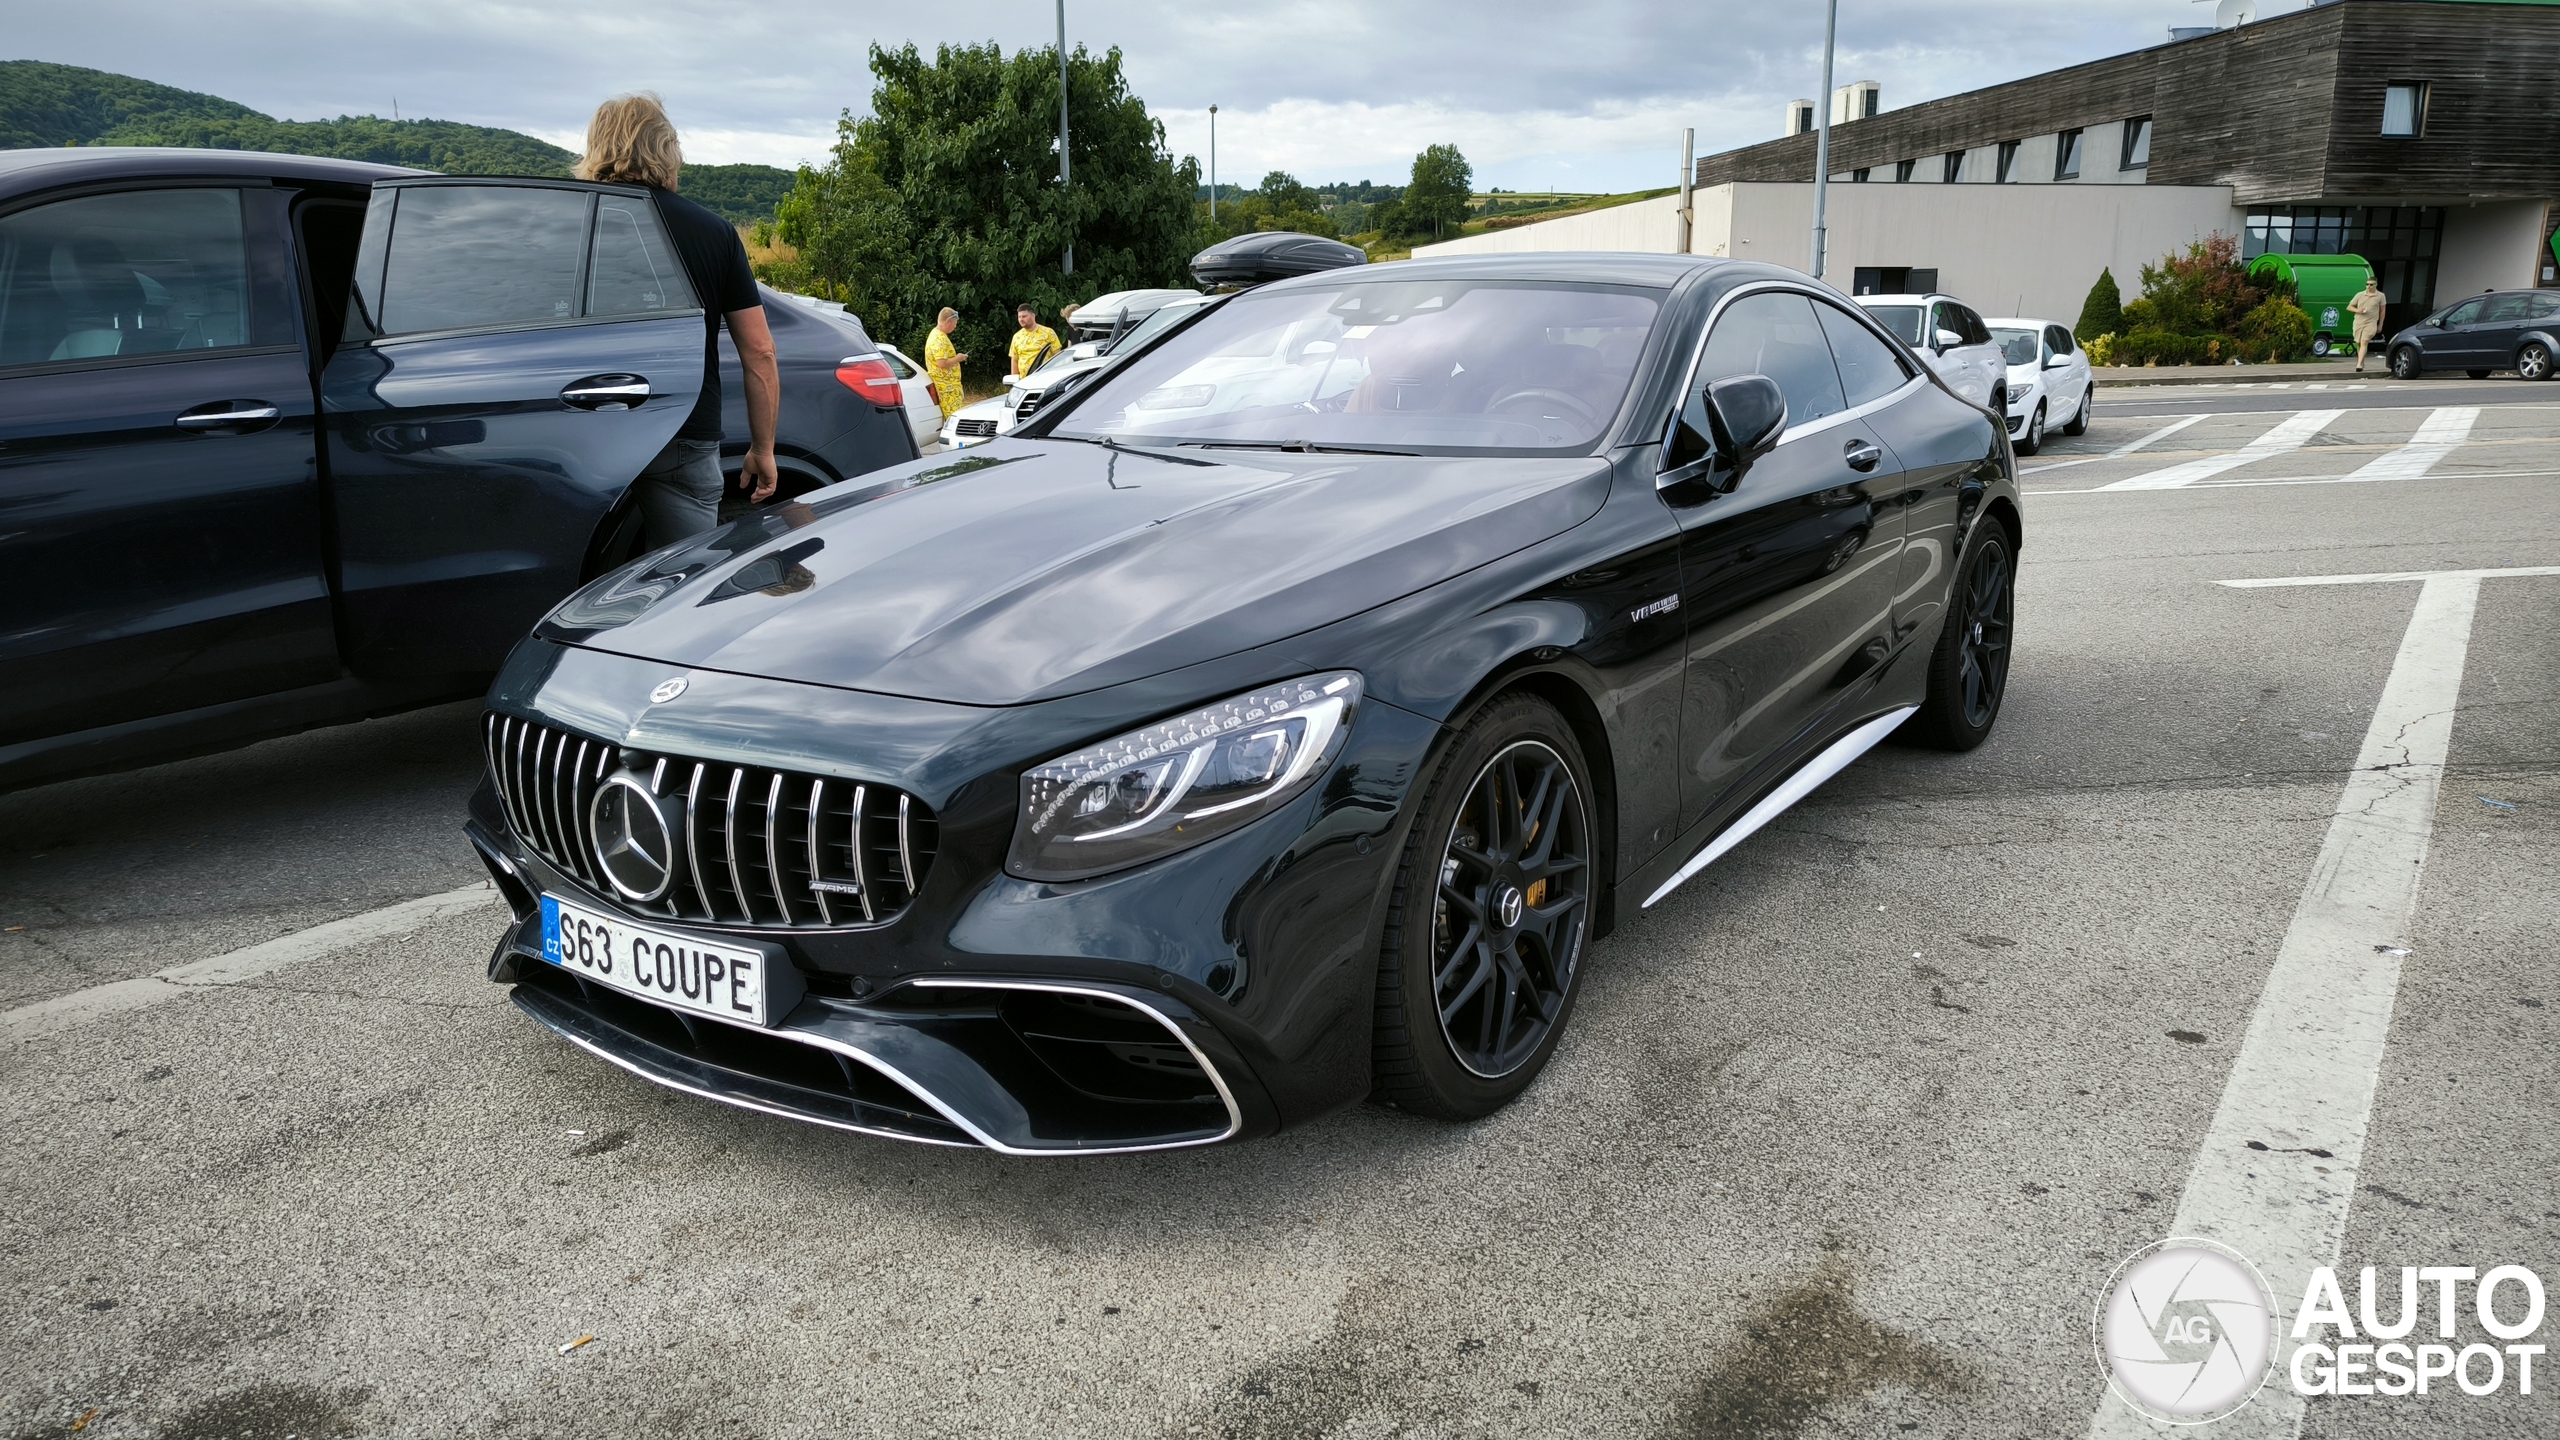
x=1952, y=339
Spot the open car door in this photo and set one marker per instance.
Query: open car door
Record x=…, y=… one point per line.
x=516, y=351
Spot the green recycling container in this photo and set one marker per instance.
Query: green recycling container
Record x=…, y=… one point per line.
x=2323, y=284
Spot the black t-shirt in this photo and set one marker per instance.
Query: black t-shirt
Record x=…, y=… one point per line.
x=716, y=261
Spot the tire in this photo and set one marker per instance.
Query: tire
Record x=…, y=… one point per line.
x=2477, y=374
x=2000, y=403
x=1969, y=669
x=1449, y=1044
x=2032, y=439
x=2405, y=364
x=2533, y=362
x=2080, y=418
x=2320, y=345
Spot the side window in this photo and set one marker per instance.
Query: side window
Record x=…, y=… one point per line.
x=2060, y=339
x=2462, y=314
x=1942, y=316
x=632, y=270
x=106, y=276
x=1774, y=334
x=1870, y=369
x=464, y=257
x=2545, y=306
x=2510, y=307
x=1974, y=331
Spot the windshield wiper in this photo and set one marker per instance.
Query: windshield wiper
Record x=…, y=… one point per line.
x=1294, y=447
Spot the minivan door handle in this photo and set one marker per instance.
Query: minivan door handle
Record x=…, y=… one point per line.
x=229, y=417
x=1863, y=455
x=606, y=392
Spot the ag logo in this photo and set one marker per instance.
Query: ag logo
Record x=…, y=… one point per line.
x=2184, y=1331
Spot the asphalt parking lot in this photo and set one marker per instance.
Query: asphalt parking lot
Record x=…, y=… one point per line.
x=1846, y=1137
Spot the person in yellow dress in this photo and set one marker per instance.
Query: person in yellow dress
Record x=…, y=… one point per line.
x=942, y=363
x=1031, y=344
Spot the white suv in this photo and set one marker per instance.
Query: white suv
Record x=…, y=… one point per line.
x=1952, y=339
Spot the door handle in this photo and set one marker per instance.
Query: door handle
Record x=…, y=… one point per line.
x=1863, y=455
x=603, y=392
x=233, y=417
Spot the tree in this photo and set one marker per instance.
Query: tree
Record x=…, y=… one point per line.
x=853, y=237
x=2103, y=312
x=1282, y=203
x=968, y=143
x=1435, y=200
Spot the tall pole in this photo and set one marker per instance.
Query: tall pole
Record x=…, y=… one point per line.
x=1688, y=177
x=1822, y=142
x=1213, y=165
x=1066, y=172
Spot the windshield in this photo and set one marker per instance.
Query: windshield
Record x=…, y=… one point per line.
x=1410, y=366
x=1902, y=320
x=1153, y=326
x=2019, y=345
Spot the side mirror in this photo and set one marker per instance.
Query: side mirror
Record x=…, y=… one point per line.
x=2057, y=362
x=1747, y=413
x=1948, y=340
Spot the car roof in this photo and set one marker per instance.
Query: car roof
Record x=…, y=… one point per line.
x=25, y=170
x=2020, y=322
x=1608, y=267
x=1904, y=299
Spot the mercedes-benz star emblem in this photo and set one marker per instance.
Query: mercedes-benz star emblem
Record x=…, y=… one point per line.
x=634, y=846
x=1509, y=906
x=667, y=690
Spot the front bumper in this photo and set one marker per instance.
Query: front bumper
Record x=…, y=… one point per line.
x=1214, y=994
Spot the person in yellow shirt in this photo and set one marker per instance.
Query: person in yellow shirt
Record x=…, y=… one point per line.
x=942, y=363
x=1033, y=343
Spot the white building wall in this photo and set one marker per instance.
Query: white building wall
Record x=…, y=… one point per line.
x=2494, y=245
x=2005, y=249
x=2036, y=156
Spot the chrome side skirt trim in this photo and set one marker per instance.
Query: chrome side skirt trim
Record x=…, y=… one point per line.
x=1798, y=785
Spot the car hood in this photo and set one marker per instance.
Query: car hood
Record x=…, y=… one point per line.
x=1030, y=570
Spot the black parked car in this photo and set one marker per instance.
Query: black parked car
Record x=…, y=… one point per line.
x=1276, y=719
x=2515, y=330
x=232, y=509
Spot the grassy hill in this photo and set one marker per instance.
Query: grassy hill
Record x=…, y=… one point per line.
x=43, y=104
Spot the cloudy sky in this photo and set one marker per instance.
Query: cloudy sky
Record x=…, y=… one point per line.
x=1575, y=96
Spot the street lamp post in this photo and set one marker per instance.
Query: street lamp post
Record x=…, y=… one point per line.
x=1213, y=165
x=1066, y=171
x=1822, y=142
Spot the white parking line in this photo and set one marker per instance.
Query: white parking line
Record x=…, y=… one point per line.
x=2278, y=1166
x=2163, y=433
x=2286, y=437
x=62, y=1012
x=2439, y=435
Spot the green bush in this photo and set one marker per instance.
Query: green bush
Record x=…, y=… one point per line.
x=2200, y=308
x=2103, y=312
x=2276, y=330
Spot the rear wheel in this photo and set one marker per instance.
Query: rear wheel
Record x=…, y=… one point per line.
x=2405, y=364
x=2320, y=345
x=1969, y=670
x=2533, y=362
x=2032, y=438
x=2080, y=418
x=1492, y=909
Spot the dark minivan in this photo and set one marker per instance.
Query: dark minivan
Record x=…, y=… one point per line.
x=2515, y=330
x=288, y=441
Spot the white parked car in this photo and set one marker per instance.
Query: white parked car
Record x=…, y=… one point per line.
x=1951, y=339
x=915, y=391
x=2050, y=387
x=998, y=414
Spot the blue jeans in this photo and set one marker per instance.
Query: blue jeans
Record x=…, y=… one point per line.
x=679, y=492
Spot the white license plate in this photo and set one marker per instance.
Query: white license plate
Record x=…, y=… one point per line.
x=677, y=971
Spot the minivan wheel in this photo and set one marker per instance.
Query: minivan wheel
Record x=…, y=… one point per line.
x=1490, y=917
x=2533, y=362
x=2033, y=438
x=2405, y=364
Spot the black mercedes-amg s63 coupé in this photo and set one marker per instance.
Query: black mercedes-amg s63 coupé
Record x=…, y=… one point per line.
x=1276, y=720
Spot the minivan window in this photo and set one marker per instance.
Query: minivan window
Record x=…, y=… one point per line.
x=465, y=257
x=2462, y=314
x=2510, y=307
x=632, y=270
x=108, y=276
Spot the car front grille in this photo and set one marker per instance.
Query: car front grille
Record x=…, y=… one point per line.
x=1030, y=402
x=763, y=849
x=974, y=429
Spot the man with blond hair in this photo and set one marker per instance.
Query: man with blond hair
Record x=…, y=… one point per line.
x=630, y=141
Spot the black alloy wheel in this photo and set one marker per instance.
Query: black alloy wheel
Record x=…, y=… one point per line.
x=2033, y=439
x=1969, y=670
x=2533, y=362
x=2405, y=364
x=1490, y=917
x=2079, y=424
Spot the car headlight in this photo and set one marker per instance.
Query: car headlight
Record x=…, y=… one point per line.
x=1179, y=782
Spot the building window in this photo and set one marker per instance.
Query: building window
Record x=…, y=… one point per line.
x=2008, y=163
x=2401, y=242
x=1858, y=176
x=1955, y=166
x=1799, y=117
x=1902, y=171
x=2137, y=143
x=2404, y=110
x=2066, y=156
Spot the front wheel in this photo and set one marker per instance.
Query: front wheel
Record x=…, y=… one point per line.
x=2533, y=362
x=1490, y=916
x=1969, y=669
x=2079, y=424
x=2032, y=439
x=2405, y=364
x=2320, y=345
